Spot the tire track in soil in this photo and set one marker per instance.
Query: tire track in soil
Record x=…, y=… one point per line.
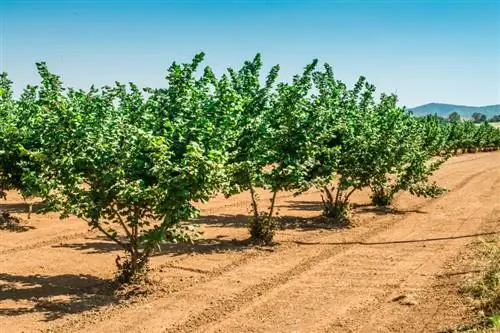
x=246, y=258
x=467, y=160
x=248, y=297
x=47, y=242
x=418, y=283
x=254, y=291
x=373, y=291
x=375, y=312
x=178, y=286
x=441, y=178
x=66, y=240
x=248, y=253
x=429, y=312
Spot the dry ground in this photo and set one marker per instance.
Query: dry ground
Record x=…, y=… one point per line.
x=394, y=271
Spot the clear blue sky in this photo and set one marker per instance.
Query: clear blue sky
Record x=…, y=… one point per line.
x=426, y=51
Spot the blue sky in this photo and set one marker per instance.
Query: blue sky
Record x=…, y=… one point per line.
x=425, y=51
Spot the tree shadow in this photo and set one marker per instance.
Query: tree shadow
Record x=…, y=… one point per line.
x=224, y=220
x=367, y=209
x=12, y=223
x=304, y=205
x=312, y=223
x=21, y=207
x=15, y=227
x=208, y=246
x=55, y=296
x=358, y=209
x=285, y=222
x=101, y=244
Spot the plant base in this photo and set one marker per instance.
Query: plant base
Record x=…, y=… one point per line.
x=381, y=199
x=262, y=230
x=339, y=212
x=127, y=274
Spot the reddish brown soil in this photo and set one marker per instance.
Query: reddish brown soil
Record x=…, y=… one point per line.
x=394, y=271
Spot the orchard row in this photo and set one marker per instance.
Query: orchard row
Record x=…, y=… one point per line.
x=131, y=161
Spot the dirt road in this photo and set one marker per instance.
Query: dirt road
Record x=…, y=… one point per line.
x=385, y=274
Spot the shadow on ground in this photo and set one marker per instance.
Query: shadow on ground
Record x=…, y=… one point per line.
x=54, y=296
x=21, y=207
x=12, y=223
x=358, y=209
x=370, y=209
x=222, y=244
x=202, y=246
x=15, y=227
x=285, y=222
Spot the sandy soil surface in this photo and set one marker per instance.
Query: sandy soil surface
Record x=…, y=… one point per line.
x=393, y=271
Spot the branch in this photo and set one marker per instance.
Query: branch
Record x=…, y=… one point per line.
x=338, y=195
x=349, y=194
x=125, y=246
x=328, y=193
x=122, y=223
x=273, y=200
x=254, y=203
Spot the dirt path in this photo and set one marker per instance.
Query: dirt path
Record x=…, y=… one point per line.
x=317, y=280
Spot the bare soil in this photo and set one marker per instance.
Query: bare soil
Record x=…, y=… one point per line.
x=394, y=270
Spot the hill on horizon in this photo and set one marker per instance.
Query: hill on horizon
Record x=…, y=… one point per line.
x=444, y=110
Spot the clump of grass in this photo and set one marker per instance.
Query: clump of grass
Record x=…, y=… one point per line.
x=484, y=290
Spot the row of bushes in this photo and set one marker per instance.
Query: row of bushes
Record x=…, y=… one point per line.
x=132, y=161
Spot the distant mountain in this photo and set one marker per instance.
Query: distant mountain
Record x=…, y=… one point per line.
x=444, y=110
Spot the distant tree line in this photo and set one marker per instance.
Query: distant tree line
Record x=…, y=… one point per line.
x=495, y=119
x=477, y=118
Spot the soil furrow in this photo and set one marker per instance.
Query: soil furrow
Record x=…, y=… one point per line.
x=408, y=263
x=221, y=286
x=226, y=305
